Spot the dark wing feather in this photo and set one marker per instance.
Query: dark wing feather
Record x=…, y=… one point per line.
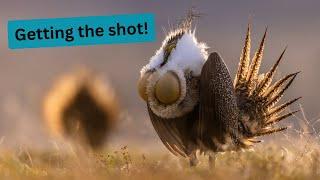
x=176, y=133
x=218, y=122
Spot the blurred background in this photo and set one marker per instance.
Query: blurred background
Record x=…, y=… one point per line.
x=26, y=75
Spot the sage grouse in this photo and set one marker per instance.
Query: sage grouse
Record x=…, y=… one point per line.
x=193, y=104
x=81, y=108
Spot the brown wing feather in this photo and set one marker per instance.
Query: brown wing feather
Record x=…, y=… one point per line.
x=176, y=133
x=218, y=109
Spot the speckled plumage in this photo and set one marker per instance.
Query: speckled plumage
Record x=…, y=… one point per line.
x=225, y=115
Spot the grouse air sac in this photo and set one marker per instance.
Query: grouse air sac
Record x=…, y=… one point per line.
x=194, y=105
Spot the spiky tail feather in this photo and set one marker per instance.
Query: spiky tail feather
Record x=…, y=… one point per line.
x=256, y=97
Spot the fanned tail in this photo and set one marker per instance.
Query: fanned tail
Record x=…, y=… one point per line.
x=244, y=60
x=252, y=75
x=257, y=97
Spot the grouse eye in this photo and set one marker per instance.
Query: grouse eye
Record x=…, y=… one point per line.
x=142, y=86
x=167, y=89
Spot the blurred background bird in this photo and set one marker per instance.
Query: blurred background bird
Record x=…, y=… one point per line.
x=193, y=103
x=82, y=108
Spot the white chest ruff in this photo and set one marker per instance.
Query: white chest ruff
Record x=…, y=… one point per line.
x=186, y=61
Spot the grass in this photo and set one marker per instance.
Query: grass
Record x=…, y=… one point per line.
x=299, y=158
x=289, y=155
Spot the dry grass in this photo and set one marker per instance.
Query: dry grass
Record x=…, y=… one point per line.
x=299, y=160
x=290, y=155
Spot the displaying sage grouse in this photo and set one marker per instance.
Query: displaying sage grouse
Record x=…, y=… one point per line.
x=82, y=108
x=193, y=104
